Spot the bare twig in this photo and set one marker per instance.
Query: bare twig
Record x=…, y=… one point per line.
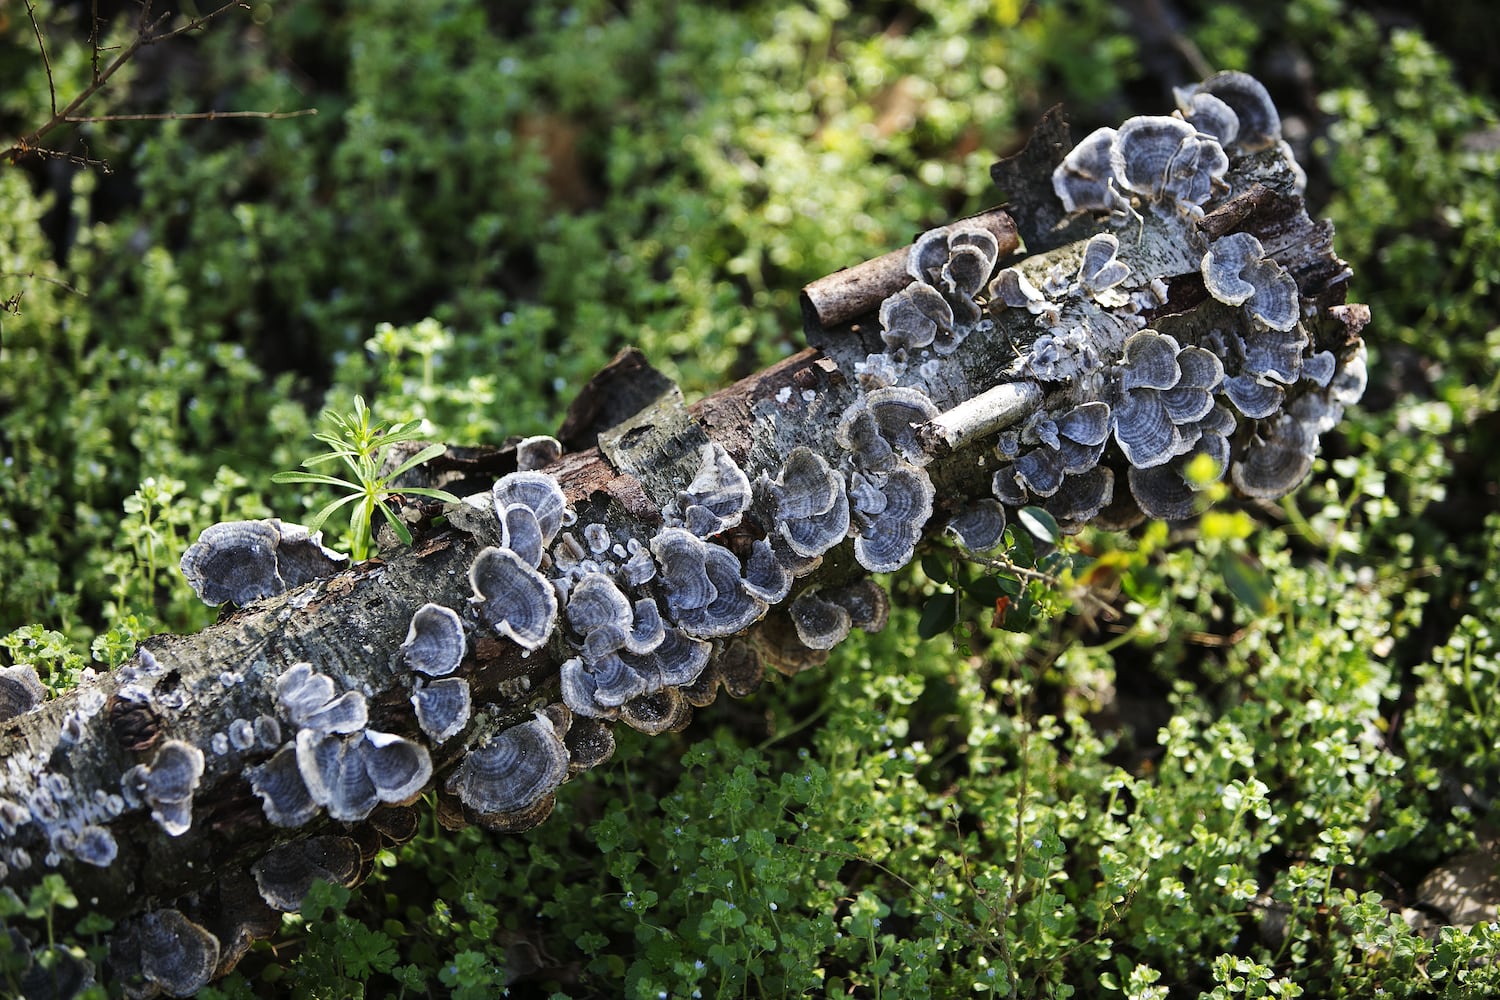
x=204, y=116
x=146, y=34
x=33, y=276
x=46, y=62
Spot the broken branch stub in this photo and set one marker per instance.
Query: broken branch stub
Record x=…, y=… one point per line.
x=1179, y=303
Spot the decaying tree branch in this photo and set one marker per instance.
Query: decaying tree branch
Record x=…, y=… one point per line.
x=1176, y=302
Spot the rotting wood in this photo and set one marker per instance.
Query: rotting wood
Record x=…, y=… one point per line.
x=648, y=442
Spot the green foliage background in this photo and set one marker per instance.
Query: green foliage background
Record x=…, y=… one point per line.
x=1214, y=797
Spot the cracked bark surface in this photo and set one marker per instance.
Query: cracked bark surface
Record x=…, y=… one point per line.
x=637, y=443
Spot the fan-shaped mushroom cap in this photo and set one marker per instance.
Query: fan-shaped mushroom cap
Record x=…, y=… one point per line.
x=234, y=561
x=1144, y=429
x=167, y=784
x=299, y=688
x=521, y=532
x=820, y=624
x=1082, y=179
x=721, y=489
x=1254, y=397
x=283, y=793
x=1273, y=465
x=1319, y=368
x=21, y=690
x=732, y=609
x=513, y=775
x=1192, y=397
x=243, y=561
x=435, y=641
x=1144, y=150
x=1087, y=423
x=1040, y=471
x=512, y=597
x=596, y=602
x=1011, y=288
x=1081, y=497
x=286, y=873
x=979, y=526
x=1259, y=124
x=596, y=688
x=396, y=766
x=537, y=452
x=806, y=485
x=812, y=534
x=886, y=543
x=176, y=954
x=680, y=556
x=648, y=630
x=1209, y=115
x=677, y=661
x=1163, y=492
x=1149, y=361
x=590, y=742
x=334, y=772
x=539, y=491
x=893, y=415
x=868, y=604
x=764, y=577
x=913, y=317
x=656, y=712
x=1224, y=264
x=347, y=713
x=1101, y=269
x=1275, y=303
x=639, y=569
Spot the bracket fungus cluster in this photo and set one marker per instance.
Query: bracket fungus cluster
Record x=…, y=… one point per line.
x=1177, y=310
x=238, y=562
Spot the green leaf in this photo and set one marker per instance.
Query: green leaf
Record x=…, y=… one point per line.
x=316, y=521
x=1247, y=582
x=938, y=616
x=985, y=590
x=935, y=567
x=1040, y=523
x=397, y=525
x=426, y=454
x=422, y=491
x=312, y=477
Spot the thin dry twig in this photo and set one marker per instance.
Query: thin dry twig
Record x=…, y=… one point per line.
x=46, y=62
x=184, y=116
x=148, y=33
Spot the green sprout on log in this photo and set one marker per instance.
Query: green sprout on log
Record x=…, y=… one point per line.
x=361, y=444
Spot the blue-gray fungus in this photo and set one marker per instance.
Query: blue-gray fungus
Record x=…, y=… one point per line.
x=512, y=597
x=541, y=492
x=21, y=690
x=243, y=561
x=442, y=707
x=435, y=641
x=509, y=781
x=285, y=874
x=166, y=785
x=283, y=794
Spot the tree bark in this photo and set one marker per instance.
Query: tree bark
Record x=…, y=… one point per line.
x=637, y=444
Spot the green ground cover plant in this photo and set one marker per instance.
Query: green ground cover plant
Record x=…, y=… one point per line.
x=1215, y=758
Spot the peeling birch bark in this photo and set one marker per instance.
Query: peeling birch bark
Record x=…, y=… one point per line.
x=639, y=446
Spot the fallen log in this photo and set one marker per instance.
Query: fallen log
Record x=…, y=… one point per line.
x=1177, y=319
